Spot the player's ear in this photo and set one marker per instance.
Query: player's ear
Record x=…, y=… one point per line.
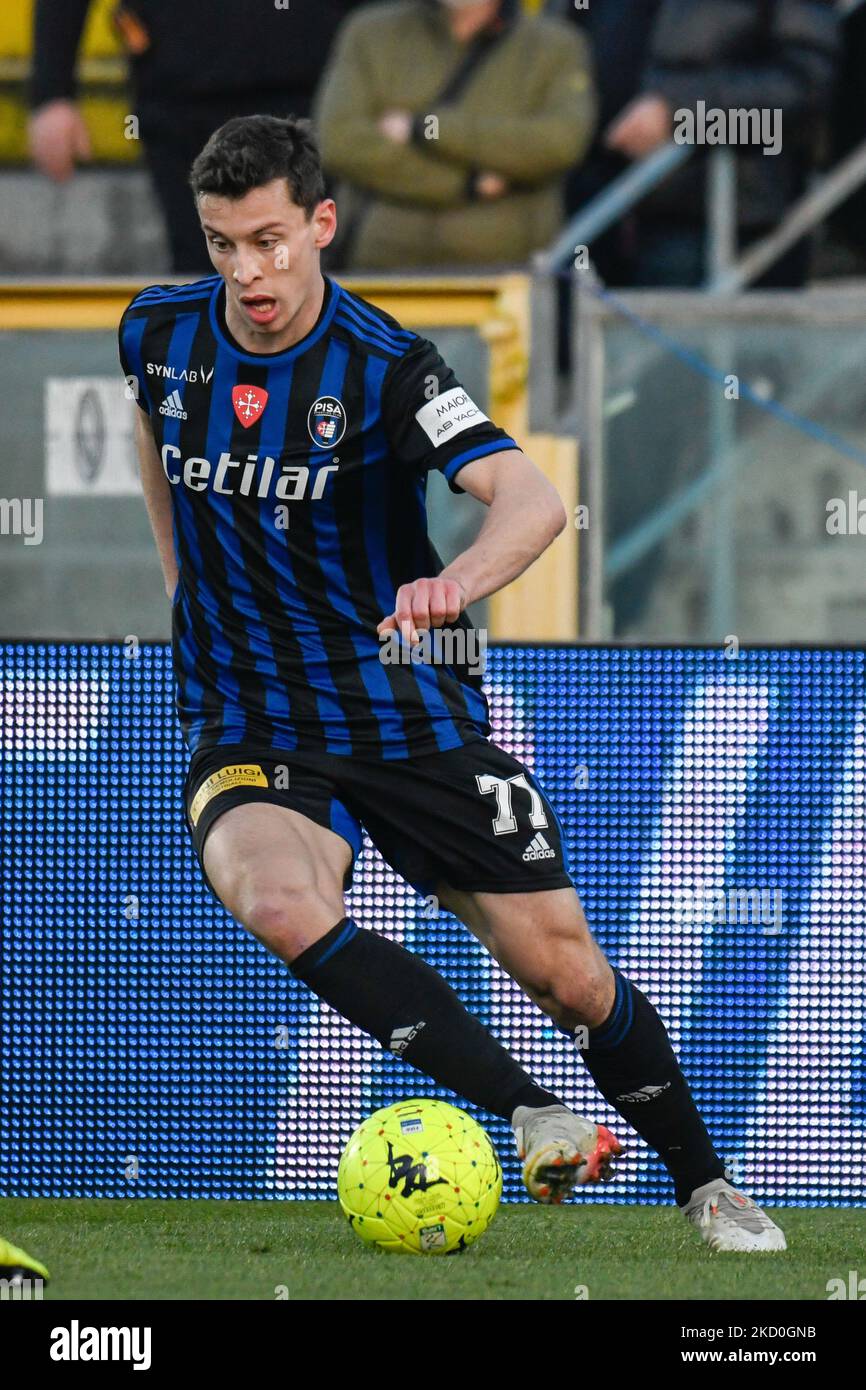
x=325, y=223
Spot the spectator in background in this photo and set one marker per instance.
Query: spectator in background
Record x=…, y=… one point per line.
x=450, y=124
x=655, y=57
x=193, y=64
x=849, y=130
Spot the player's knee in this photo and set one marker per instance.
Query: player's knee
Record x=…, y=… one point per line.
x=287, y=919
x=583, y=993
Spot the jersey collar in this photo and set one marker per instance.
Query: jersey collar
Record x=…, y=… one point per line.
x=322, y=324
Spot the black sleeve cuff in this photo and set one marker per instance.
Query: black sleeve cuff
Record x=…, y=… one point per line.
x=57, y=31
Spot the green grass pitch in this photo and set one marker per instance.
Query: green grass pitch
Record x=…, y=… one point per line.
x=143, y=1249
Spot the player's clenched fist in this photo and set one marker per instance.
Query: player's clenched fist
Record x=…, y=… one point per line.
x=424, y=604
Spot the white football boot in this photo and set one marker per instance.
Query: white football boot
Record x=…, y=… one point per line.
x=561, y=1151
x=729, y=1221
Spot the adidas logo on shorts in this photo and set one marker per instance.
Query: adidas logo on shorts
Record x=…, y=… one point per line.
x=538, y=848
x=172, y=406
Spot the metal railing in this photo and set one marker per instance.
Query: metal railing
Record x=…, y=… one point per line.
x=801, y=218
x=663, y=323
x=612, y=204
x=727, y=273
x=724, y=272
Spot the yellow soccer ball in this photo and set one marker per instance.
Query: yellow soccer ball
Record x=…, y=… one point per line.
x=420, y=1176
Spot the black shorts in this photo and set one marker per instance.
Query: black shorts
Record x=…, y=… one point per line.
x=472, y=817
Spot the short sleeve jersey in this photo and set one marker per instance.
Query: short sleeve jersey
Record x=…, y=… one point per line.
x=298, y=484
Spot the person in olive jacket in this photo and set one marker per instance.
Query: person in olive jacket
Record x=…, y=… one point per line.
x=450, y=125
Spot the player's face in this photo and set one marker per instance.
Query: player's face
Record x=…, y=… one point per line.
x=267, y=251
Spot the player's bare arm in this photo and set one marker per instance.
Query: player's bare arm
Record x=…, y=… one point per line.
x=157, y=499
x=525, y=515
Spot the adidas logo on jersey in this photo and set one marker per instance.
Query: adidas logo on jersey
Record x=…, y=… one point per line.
x=538, y=848
x=172, y=406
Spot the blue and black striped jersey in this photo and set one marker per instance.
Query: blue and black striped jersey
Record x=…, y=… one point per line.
x=298, y=485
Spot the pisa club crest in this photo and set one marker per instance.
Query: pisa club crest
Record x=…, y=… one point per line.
x=326, y=422
x=249, y=403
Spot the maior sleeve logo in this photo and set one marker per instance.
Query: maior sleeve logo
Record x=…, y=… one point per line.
x=448, y=415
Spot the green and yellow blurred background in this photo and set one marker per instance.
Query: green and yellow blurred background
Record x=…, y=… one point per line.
x=102, y=82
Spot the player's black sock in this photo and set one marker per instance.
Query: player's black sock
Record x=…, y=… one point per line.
x=400, y=1000
x=632, y=1063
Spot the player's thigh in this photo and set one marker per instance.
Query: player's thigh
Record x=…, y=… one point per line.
x=278, y=872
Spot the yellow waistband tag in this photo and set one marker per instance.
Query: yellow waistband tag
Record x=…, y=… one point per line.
x=223, y=780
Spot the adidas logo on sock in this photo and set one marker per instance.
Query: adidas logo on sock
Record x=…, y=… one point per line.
x=172, y=406
x=644, y=1094
x=401, y=1037
x=538, y=848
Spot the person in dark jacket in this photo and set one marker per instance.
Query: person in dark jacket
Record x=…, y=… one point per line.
x=193, y=66
x=655, y=58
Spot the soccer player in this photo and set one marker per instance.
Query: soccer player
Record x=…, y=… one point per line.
x=285, y=431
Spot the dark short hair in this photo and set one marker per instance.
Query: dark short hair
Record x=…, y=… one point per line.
x=249, y=151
